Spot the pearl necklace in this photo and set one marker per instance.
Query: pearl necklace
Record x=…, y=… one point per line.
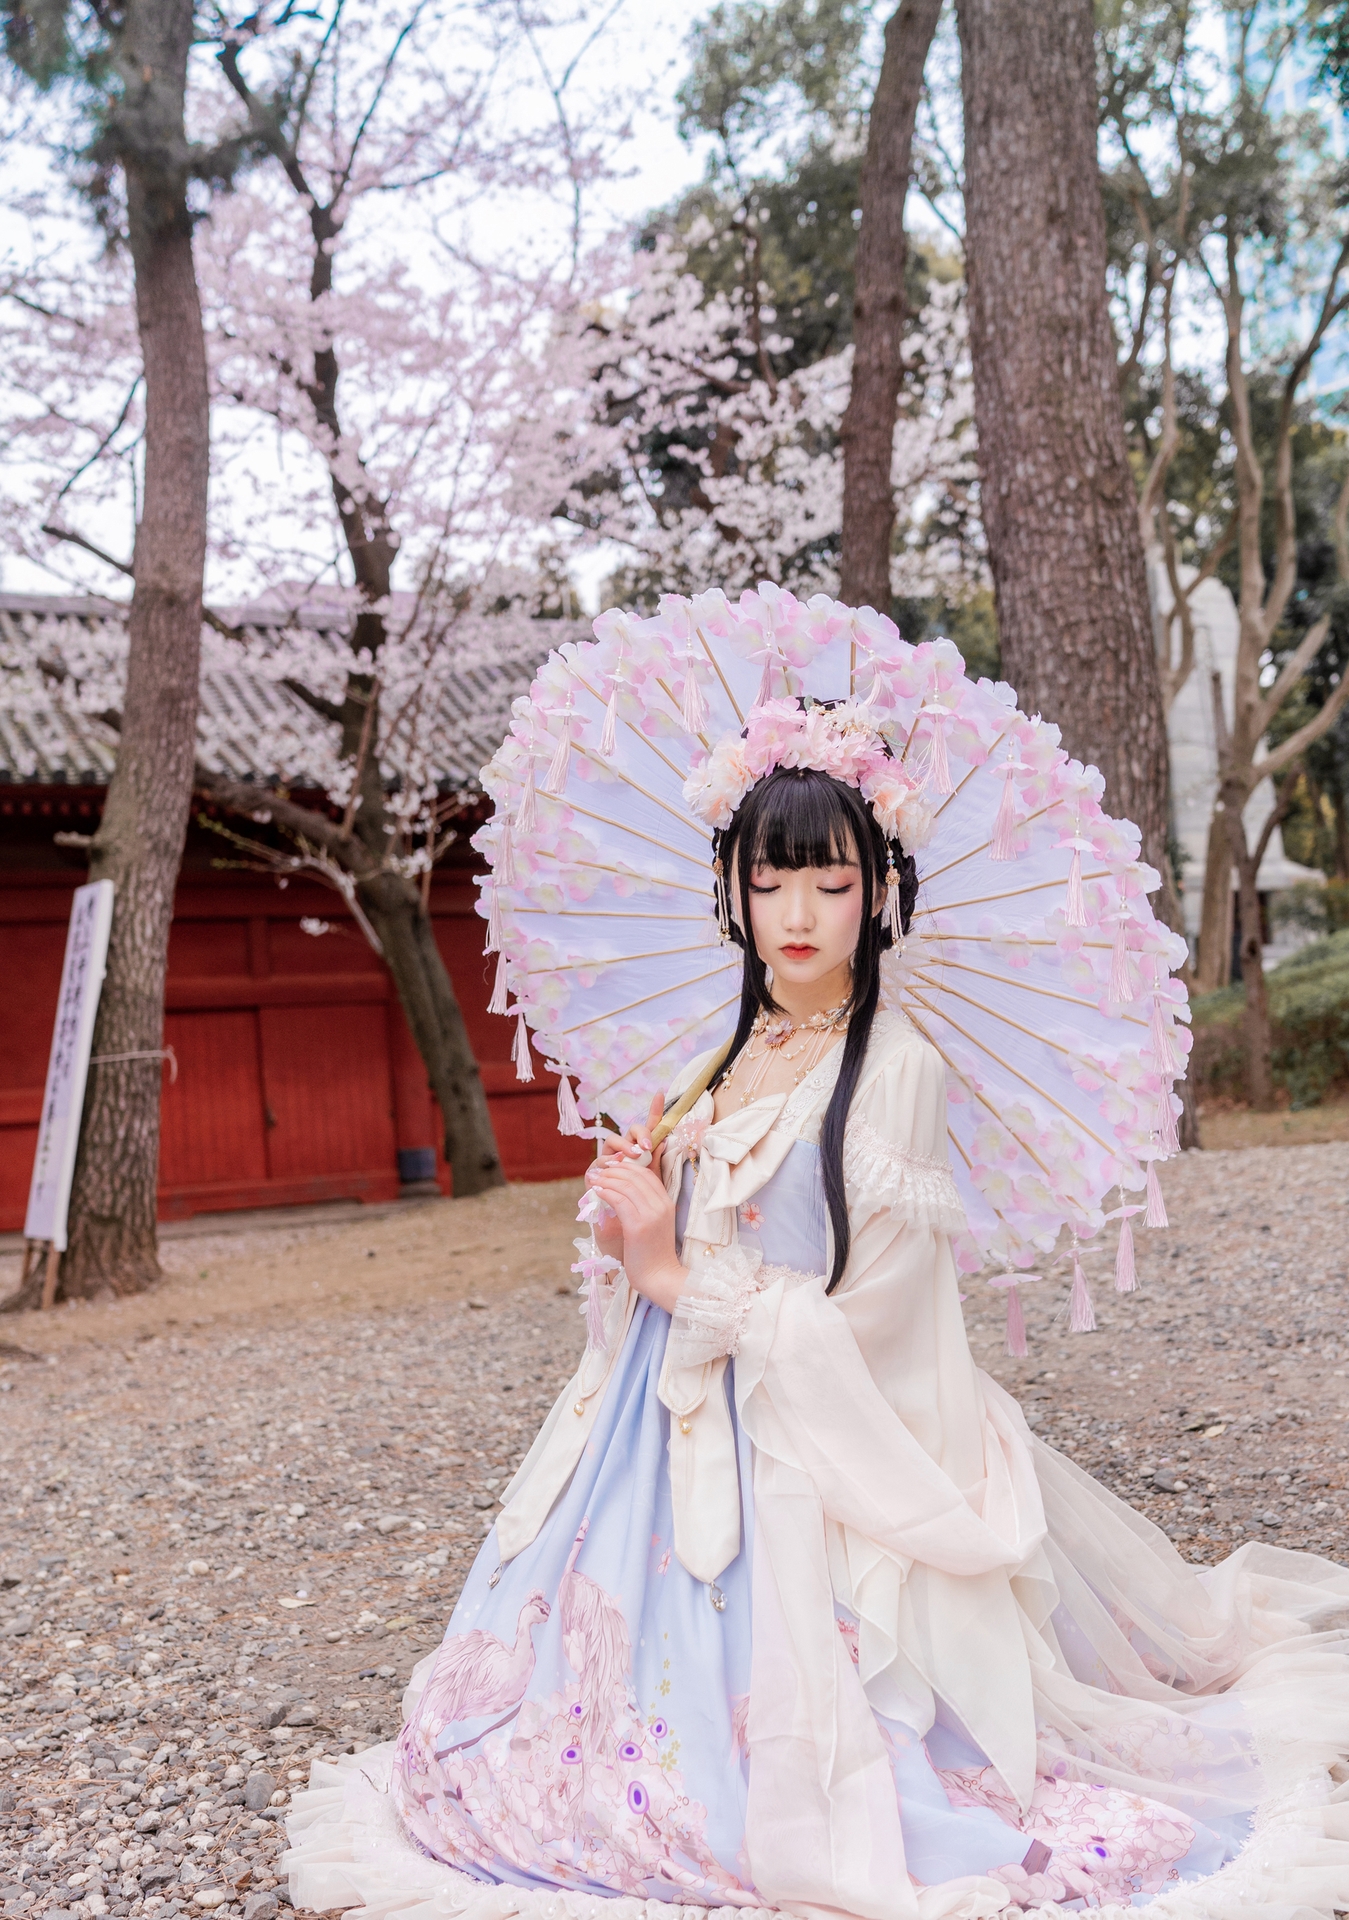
x=769, y=1040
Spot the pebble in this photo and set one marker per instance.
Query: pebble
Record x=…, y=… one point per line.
x=155, y=1719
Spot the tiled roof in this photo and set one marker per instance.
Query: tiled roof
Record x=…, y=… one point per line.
x=57, y=746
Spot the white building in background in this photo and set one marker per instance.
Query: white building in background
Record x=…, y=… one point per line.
x=1194, y=750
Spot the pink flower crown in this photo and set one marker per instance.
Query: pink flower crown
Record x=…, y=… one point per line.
x=846, y=740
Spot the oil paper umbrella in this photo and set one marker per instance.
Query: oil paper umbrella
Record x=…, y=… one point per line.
x=1034, y=965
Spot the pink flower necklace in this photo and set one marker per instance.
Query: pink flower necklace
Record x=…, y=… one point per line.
x=769, y=1040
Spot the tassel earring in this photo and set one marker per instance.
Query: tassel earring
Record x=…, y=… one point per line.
x=526, y=813
x=1156, y=1213
x=497, y=1003
x=568, y=1113
x=723, y=901
x=893, y=915
x=1003, y=846
x=1081, y=1313
x=524, y=1065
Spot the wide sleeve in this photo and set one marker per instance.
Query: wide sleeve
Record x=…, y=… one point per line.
x=895, y=1156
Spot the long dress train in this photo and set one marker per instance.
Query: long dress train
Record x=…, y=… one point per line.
x=788, y=1609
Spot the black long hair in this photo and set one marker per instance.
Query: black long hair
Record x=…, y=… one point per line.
x=798, y=817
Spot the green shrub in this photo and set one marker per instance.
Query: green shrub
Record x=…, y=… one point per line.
x=1321, y=909
x=1309, y=1015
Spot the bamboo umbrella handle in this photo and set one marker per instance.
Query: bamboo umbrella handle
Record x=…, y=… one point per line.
x=671, y=1118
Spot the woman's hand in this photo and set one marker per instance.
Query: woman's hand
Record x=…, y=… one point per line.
x=646, y=1218
x=632, y=1148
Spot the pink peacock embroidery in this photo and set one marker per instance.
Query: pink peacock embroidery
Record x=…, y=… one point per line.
x=580, y=1788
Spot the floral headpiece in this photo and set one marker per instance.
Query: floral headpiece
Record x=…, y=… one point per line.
x=844, y=739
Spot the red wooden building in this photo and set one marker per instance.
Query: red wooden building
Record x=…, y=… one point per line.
x=297, y=1077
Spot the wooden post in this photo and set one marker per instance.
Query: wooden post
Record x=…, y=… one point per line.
x=49, y=1279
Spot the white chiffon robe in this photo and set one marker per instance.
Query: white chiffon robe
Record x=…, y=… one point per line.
x=918, y=1559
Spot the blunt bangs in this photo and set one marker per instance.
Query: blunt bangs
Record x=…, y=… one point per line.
x=799, y=817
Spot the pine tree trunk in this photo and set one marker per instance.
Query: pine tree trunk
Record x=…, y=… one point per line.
x=437, y=1025
x=139, y=842
x=1057, y=496
x=868, y=429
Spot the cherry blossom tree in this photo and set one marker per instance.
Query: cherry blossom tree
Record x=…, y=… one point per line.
x=707, y=465
x=383, y=429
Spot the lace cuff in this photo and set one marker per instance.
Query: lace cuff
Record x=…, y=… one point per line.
x=709, y=1315
x=917, y=1189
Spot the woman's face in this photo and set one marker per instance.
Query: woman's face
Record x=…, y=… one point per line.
x=805, y=923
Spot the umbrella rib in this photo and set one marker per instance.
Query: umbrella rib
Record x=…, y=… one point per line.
x=681, y=886
x=665, y=1045
x=1007, y=1066
x=614, y=960
x=982, y=1098
x=716, y=668
x=608, y=913
x=682, y=815
x=1027, y=986
x=971, y=851
x=620, y=826
x=983, y=900
x=612, y=1013
x=959, y=939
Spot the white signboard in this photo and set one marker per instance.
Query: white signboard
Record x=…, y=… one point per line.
x=68, y=1067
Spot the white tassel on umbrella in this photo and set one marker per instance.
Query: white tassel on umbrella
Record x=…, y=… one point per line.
x=1081, y=1313
x=505, y=864
x=524, y=1065
x=1126, y=1277
x=939, y=764
x=1075, y=908
x=1012, y=1284
x=568, y=1113
x=1156, y=1213
x=1003, y=844
x=500, y=988
x=555, y=780
x=526, y=814
x=693, y=711
x=1122, y=989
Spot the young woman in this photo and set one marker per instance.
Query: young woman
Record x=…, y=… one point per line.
x=787, y=1608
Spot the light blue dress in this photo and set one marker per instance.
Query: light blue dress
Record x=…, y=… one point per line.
x=584, y=1727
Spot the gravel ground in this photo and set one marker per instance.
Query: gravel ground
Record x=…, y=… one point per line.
x=236, y=1511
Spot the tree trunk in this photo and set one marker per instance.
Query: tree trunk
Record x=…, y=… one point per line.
x=437, y=1025
x=1057, y=496
x=868, y=429
x=139, y=842
x=1255, y=1020
x=1215, y=925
